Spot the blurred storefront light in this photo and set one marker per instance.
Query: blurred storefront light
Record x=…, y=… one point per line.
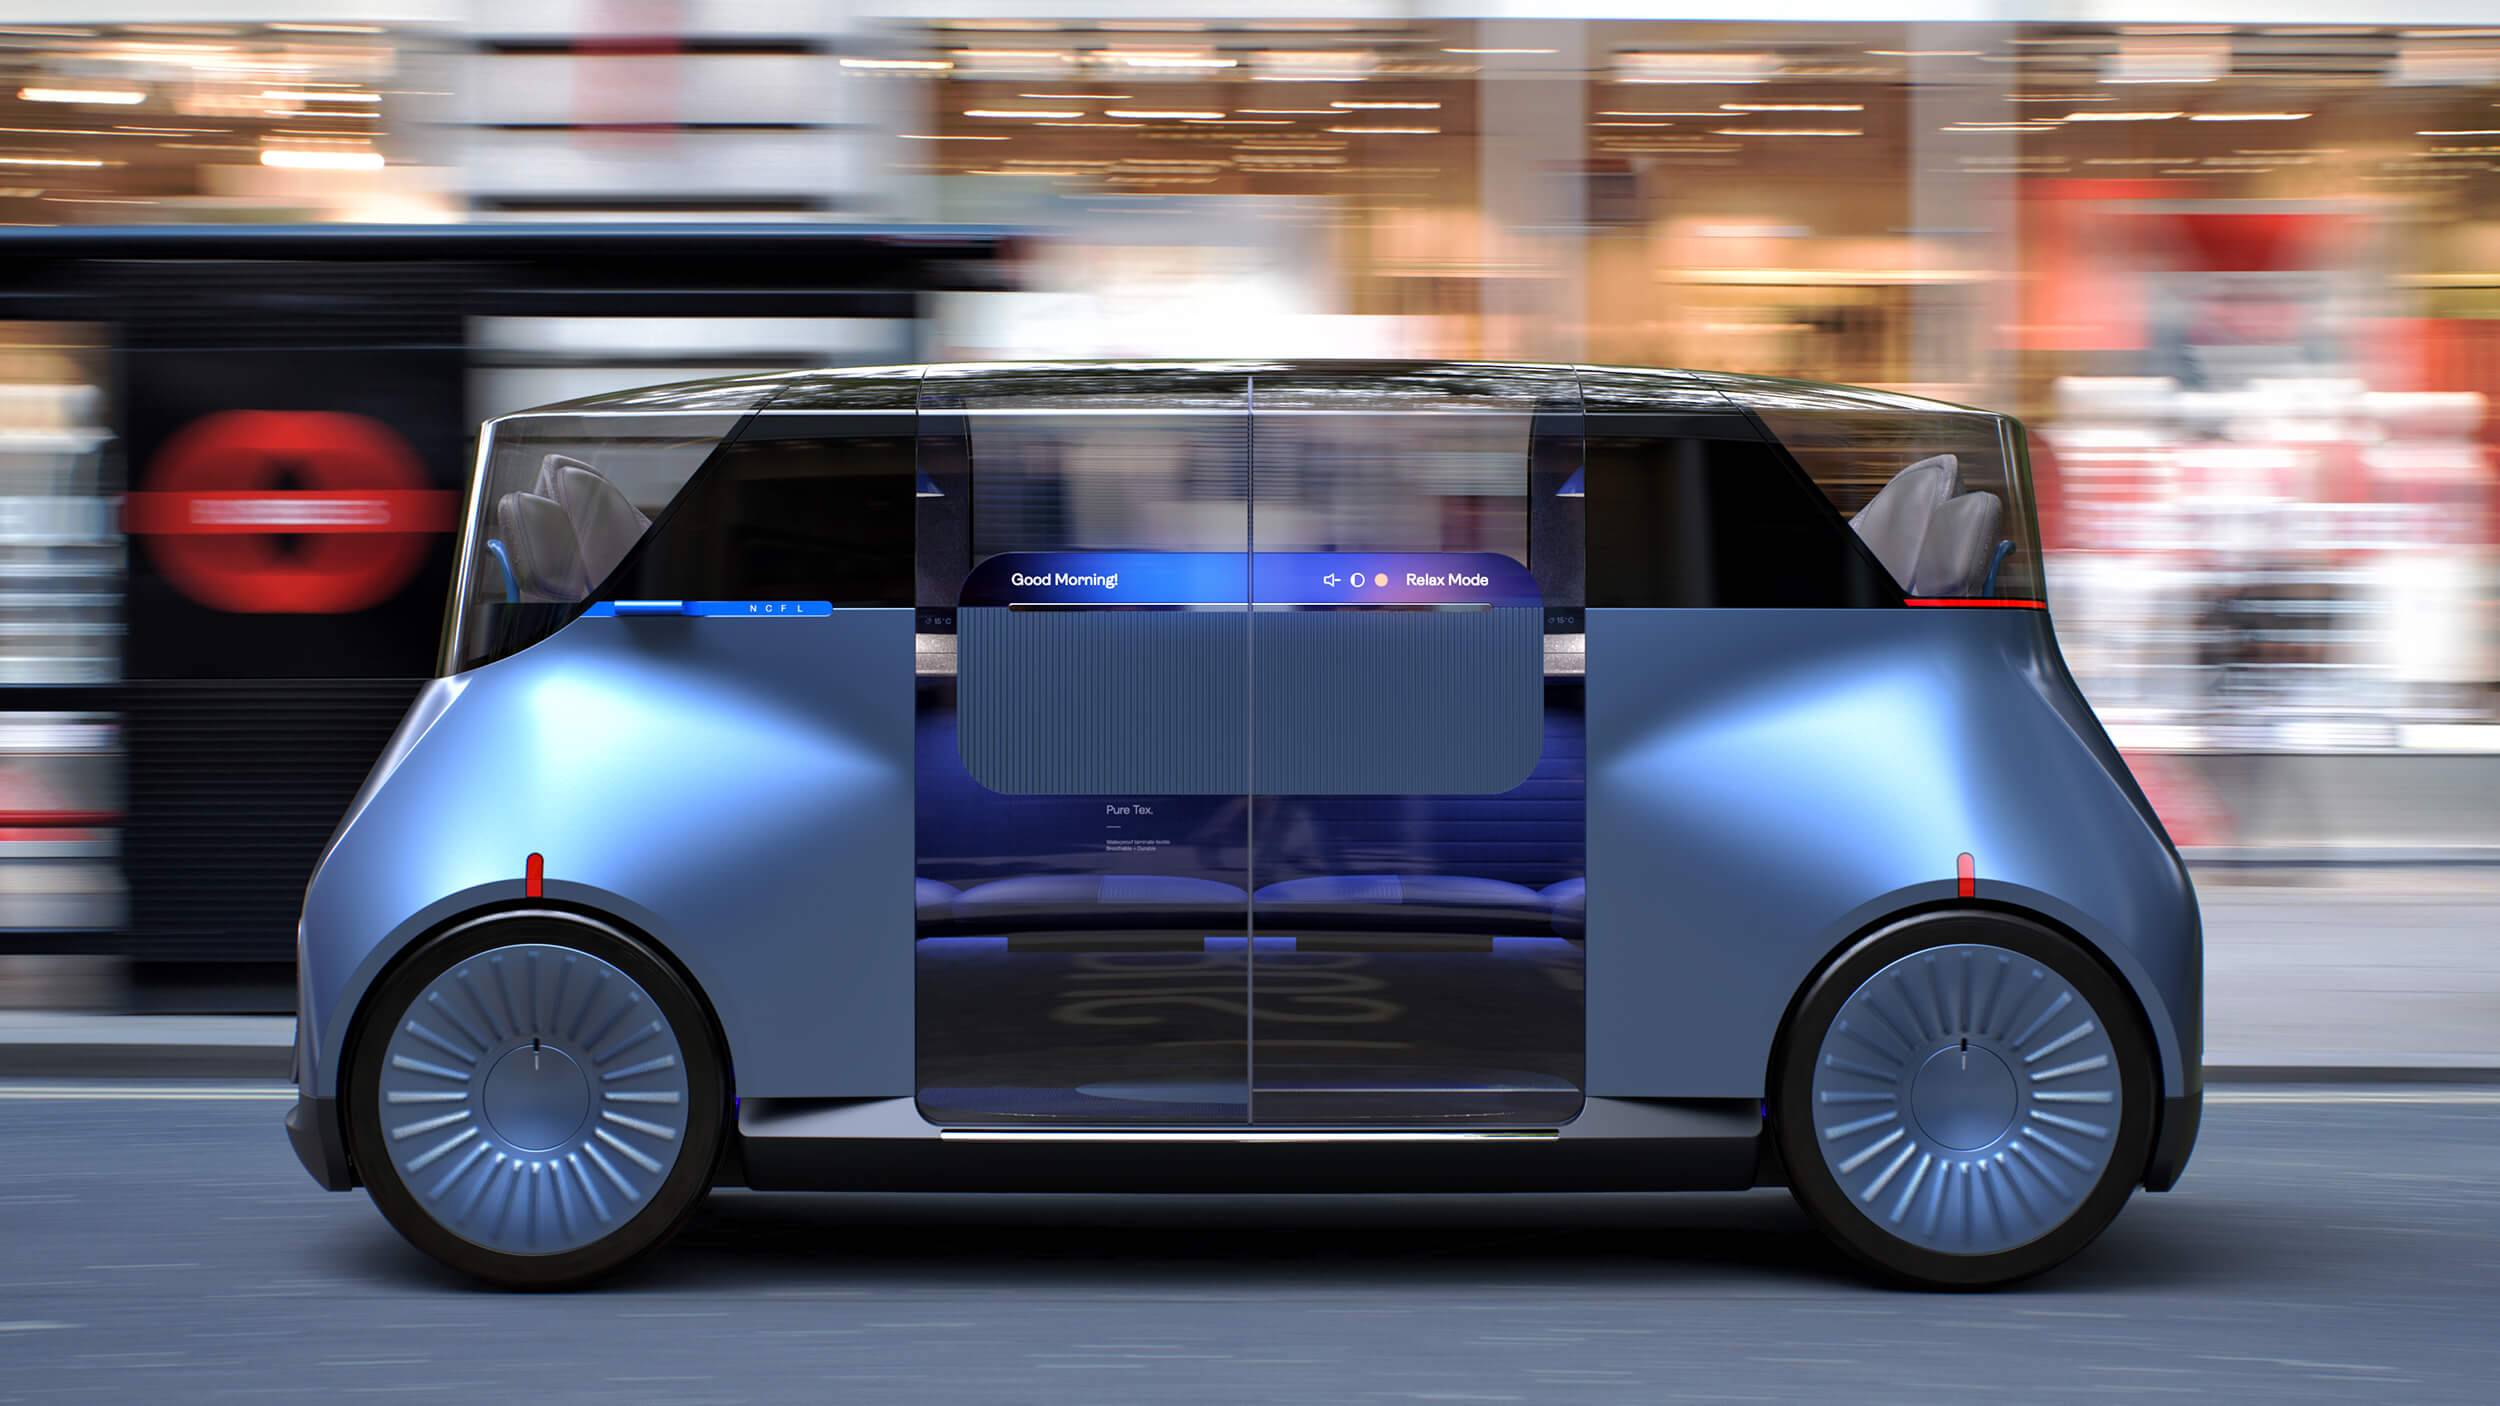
x=102, y=97
x=296, y=159
x=2026, y=211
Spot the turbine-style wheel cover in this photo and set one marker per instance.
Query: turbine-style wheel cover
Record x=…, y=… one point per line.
x=1967, y=1099
x=533, y=1099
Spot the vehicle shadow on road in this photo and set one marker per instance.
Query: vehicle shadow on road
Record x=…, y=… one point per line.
x=1750, y=1242
x=1247, y=1242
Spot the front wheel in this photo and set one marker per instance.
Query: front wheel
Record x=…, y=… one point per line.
x=1964, y=1100
x=535, y=1099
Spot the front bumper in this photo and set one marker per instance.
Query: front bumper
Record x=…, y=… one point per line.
x=2175, y=1138
x=312, y=1129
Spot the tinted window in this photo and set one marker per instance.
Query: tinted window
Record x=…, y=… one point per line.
x=1938, y=492
x=1104, y=626
x=797, y=507
x=1412, y=462
x=685, y=493
x=1682, y=520
x=563, y=497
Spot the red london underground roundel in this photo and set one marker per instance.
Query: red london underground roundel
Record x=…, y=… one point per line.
x=295, y=512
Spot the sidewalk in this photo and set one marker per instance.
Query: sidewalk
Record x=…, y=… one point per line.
x=2312, y=975
x=2392, y=971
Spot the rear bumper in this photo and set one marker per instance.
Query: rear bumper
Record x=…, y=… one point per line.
x=312, y=1129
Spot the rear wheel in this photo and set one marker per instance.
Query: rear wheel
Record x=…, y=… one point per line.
x=535, y=1100
x=1964, y=1100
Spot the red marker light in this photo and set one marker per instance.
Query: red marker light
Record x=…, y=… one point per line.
x=1963, y=869
x=534, y=876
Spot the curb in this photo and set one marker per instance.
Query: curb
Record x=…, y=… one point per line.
x=2338, y=856
x=121, y=1060
x=2229, y=1075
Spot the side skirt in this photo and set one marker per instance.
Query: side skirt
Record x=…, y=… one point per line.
x=1614, y=1145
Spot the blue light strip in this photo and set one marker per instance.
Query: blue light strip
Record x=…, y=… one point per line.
x=712, y=609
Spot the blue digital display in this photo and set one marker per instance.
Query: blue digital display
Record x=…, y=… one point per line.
x=1391, y=578
x=1239, y=578
x=1107, y=578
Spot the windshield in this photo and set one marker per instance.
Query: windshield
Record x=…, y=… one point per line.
x=561, y=496
x=1940, y=493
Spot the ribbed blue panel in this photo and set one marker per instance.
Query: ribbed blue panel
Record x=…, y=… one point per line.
x=1104, y=702
x=1370, y=702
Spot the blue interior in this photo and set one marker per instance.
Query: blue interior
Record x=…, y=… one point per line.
x=1510, y=863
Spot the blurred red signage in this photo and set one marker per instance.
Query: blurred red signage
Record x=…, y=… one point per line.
x=293, y=512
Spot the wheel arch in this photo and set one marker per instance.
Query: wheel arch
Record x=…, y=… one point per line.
x=2143, y=1004
x=359, y=1020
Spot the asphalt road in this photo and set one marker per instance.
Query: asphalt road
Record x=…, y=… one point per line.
x=2341, y=1246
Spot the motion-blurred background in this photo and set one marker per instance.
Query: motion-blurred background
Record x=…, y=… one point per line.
x=2241, y=276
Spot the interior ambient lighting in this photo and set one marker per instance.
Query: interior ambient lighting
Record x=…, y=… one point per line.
x=1059, y=112
x=1500, y=51
x=944, y=137
x=1786, y=132
x=2248, y=117
x=116, y=97
x=321, y=160
x=913, y=65
x=291, y=95
x=1078, y=97
x=2121, y=116
x=2460, y=132
x=1356, y=103
x=1792, y=107
x=1924, y=53
x=1158, y=113
x=1388, y=131
x=79, y=161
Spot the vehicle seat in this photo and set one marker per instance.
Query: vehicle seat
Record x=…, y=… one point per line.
x=1107, y=902
x=1960, y=539
x=1894, y=522
x=605, y=522
x=932, y=900
x=1438, y=903
x=539, y=545
x=1569, y=901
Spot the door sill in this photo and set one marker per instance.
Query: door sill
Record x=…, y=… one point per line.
x=1193, y=1136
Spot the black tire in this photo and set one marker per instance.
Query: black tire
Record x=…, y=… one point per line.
x=1948, y=936
x=706, y=1098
